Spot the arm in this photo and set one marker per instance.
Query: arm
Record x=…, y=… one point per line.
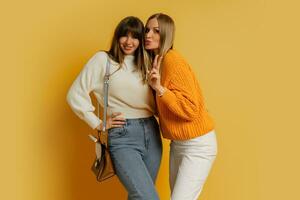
x=180, y=97
x=78, y=95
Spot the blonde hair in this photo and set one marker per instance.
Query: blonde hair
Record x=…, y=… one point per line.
x=166, y=31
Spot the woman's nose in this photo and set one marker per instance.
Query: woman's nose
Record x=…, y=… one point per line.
x=148, y=34
x=129, y=39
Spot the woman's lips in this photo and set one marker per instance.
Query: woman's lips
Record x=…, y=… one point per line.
x=128, y=48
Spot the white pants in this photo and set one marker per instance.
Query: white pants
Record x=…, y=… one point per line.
x=190, y=163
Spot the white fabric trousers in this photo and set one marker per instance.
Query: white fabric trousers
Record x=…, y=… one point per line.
x=190, y=163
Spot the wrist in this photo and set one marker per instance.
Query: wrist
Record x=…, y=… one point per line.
x=100, y=127
x=160, y=91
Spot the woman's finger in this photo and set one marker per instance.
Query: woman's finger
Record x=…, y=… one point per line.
x=154, y=77
x=118, y=119
x=117, y=113
x=154, y=70
x=118, y=123
x=118, y=126
x=159, y=62
x=155, y=61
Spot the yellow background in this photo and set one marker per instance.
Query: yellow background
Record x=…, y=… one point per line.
x=245, y=54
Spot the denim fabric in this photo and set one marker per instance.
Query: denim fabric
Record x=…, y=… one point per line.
x=136, y=151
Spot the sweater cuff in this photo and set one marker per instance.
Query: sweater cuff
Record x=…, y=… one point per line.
x=168, y=97
x=92, y=120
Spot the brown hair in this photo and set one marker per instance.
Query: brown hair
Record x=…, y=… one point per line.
x=134, y=26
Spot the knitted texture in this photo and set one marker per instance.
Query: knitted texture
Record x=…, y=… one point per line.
x=182, y=112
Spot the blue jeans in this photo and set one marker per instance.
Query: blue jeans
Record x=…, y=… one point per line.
x=136, y=151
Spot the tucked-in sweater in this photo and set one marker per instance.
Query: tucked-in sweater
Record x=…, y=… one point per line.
x=182, y=112
x=127, y=92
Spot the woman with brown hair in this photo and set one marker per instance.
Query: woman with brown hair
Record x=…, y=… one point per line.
x=134, y=140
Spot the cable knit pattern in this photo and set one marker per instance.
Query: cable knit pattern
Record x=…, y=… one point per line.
x=182, y=112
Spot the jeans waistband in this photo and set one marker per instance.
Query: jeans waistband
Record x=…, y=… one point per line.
x=139, y=120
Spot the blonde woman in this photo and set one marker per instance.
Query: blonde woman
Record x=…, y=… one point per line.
x=133, y=137
x=182, y=113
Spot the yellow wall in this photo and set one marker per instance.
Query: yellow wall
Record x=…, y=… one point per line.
x=245, y=54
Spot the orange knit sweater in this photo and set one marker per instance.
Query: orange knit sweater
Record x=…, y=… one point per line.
x=182, y=113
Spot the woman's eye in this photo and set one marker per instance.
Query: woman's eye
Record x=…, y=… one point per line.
x=156, y=30
x=147, y=30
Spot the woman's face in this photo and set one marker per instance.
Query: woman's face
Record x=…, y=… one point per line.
x=152, y=37
x=129, y=44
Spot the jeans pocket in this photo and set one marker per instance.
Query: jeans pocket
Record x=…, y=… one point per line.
x=116, y=132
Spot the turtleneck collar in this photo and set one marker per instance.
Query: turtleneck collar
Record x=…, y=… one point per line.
x=129, y=58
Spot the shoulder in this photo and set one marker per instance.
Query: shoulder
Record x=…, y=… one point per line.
x=95, y=66
x=174, y=62
x=173, y=56
x=100, y=56
x=103, y=57
x=99, y=59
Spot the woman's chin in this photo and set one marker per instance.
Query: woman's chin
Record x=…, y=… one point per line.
x=149, y=48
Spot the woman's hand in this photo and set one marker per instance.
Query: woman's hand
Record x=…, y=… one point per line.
x=116, y=120
x=154, y=74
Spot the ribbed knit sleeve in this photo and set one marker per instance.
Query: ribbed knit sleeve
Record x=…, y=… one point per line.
x=182, y=111
x=78, y=96
x=181, y=95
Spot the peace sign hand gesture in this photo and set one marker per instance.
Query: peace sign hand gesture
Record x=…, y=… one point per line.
x=154, y=75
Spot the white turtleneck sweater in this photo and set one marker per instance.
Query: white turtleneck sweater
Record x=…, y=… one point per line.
x=126, y=94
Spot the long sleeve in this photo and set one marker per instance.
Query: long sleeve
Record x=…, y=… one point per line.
x=181, y=97
x=182, y=111
x=78, y=96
